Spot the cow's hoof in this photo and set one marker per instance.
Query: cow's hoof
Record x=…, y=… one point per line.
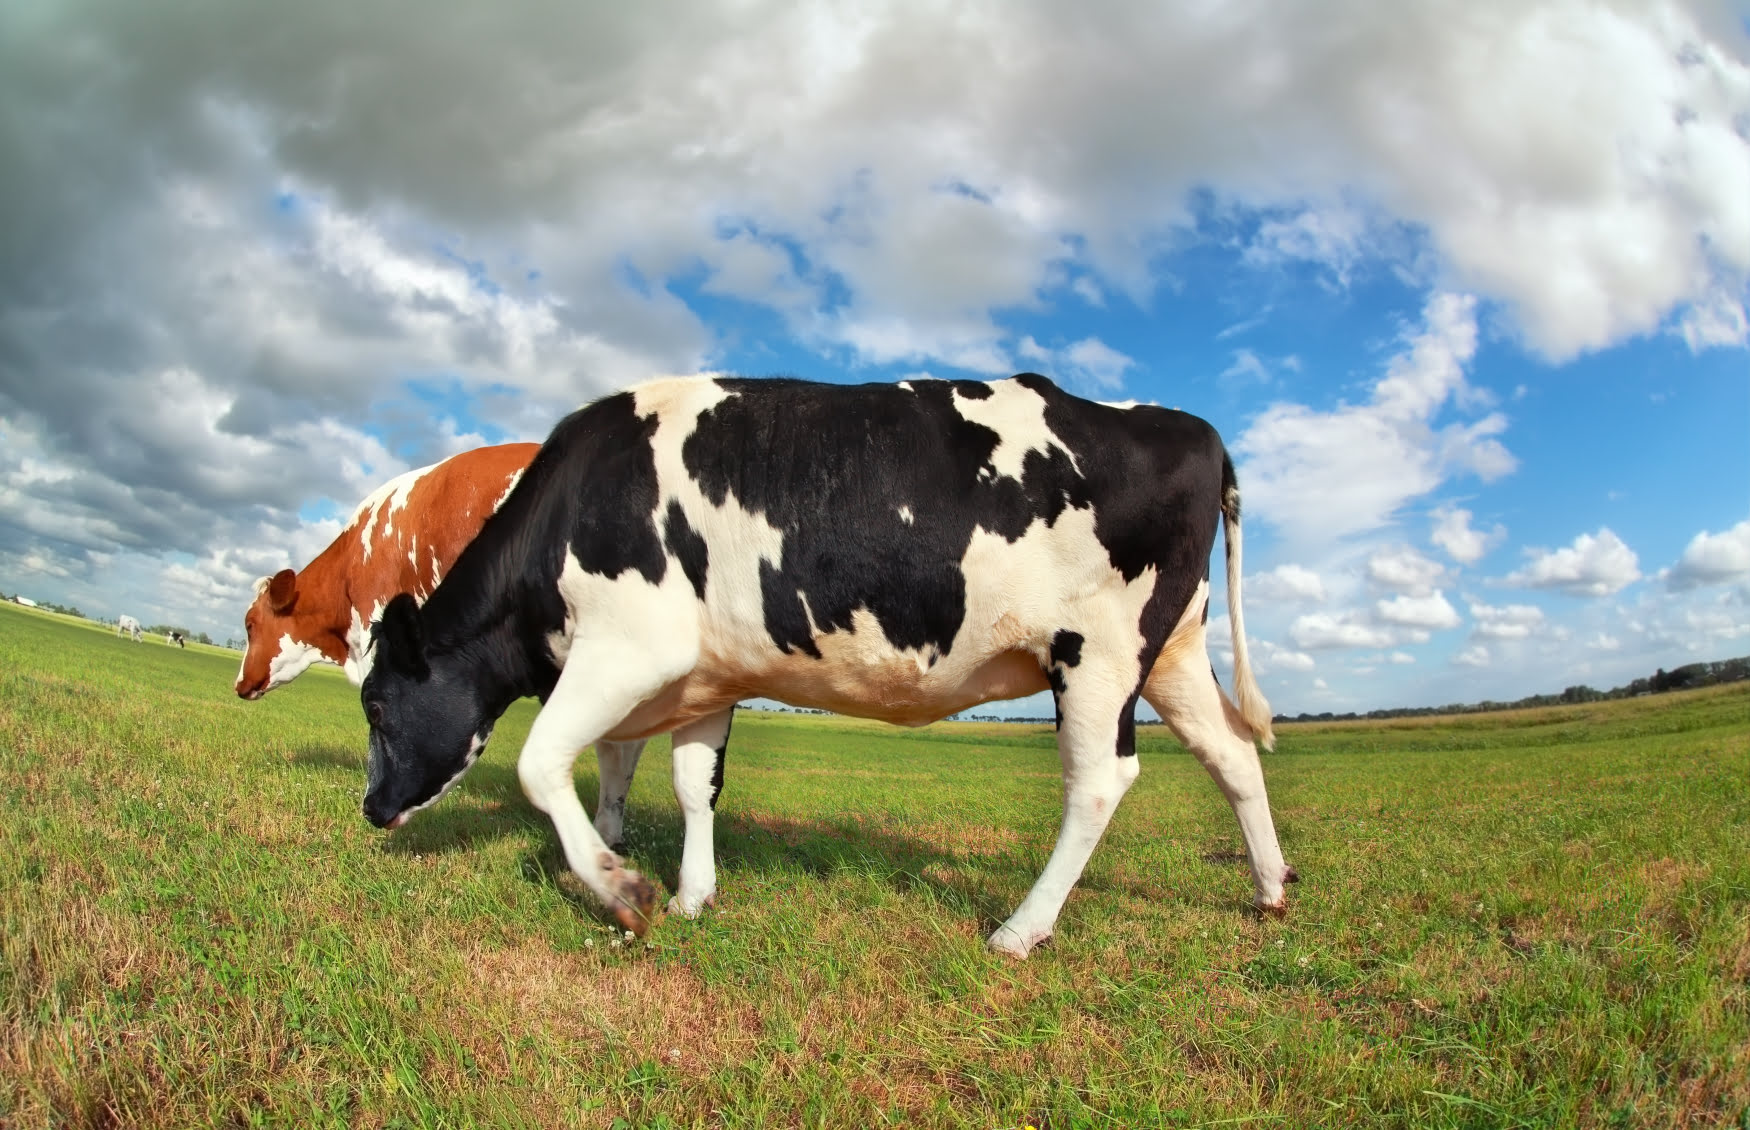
x=1277, y=909
x=1008, y=942
x=690, y=908
x=635, y=908
x=634, y=899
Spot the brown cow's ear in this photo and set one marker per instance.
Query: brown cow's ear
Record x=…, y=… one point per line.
x=282, y=591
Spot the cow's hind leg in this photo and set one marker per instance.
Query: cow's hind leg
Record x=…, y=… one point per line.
x=1183, y=689
x=617, y=761
x=1095, y=743
x=698, y=778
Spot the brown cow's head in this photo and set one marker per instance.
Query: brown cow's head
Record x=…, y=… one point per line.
x=280, y=643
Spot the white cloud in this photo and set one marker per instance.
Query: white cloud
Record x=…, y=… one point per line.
x=1402, y=658
x=1506, y=622
x=1474, y=656
x=1248, y=366
x=1322, y=630
x=1288, y=582
x=1323, y=476
x=1404, y=570
x=1594, y=565
x=1088, y=365
x=1453, y=533
x=1269, y=656
x=296, y=211
x=1600, y=641
x=1429, y=613
x=1712, y=559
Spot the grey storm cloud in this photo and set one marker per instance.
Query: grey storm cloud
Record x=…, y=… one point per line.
x=232, y=234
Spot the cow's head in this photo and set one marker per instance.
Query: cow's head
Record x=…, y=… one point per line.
x=428, y=717
x=280, y=641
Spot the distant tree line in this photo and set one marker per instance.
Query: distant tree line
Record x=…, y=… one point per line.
x=1682, y=678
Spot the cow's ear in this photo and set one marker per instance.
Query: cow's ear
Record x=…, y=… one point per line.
x=282, y=591
x=401, y=639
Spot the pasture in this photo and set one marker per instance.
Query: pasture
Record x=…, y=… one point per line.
x=1529, y=919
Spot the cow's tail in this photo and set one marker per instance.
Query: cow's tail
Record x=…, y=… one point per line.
x=1247, y=696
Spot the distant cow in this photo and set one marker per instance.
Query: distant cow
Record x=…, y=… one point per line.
x=128, y=626
x=900, y=552
x=401, y=539
x=175, y=638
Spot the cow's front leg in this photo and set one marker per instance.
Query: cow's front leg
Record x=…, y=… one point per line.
x=595, y=691
x=616, y=762
x=698, y=778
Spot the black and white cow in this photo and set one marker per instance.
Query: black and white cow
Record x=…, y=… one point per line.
x=900, y=552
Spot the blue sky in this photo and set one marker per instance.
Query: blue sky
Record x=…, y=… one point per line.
x=1462, y=286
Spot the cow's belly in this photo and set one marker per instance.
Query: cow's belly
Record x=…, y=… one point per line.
x=894, y=691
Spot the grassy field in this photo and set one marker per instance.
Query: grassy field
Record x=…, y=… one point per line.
x=1529, y=919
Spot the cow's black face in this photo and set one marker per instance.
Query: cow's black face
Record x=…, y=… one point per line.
x=427, y=721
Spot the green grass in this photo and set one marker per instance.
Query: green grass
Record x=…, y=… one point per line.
x=1529, y=919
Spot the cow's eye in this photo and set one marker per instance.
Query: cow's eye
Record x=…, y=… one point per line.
x=374, y=713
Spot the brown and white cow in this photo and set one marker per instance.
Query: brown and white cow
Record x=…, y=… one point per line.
x=402, y=538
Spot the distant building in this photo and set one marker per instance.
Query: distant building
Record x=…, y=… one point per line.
x=25, y=600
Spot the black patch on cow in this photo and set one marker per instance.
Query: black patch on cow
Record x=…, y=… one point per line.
x=831, y=467
x=686, y=544
x=1127, y=729
x=1213, y=675
x=717, y=766
x=1205, y=618
x=614, y=532
x=1066, y=648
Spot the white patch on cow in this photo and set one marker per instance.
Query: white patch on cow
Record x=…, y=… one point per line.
x=1017, y=415
x=383, y=503
x=1123, y=405
x=293, y=659
x=413, y=554
x=261, y=584
x=905, y=515
x=359, y=648
x=510, y=485
x=627, y=607
x=906, y=385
